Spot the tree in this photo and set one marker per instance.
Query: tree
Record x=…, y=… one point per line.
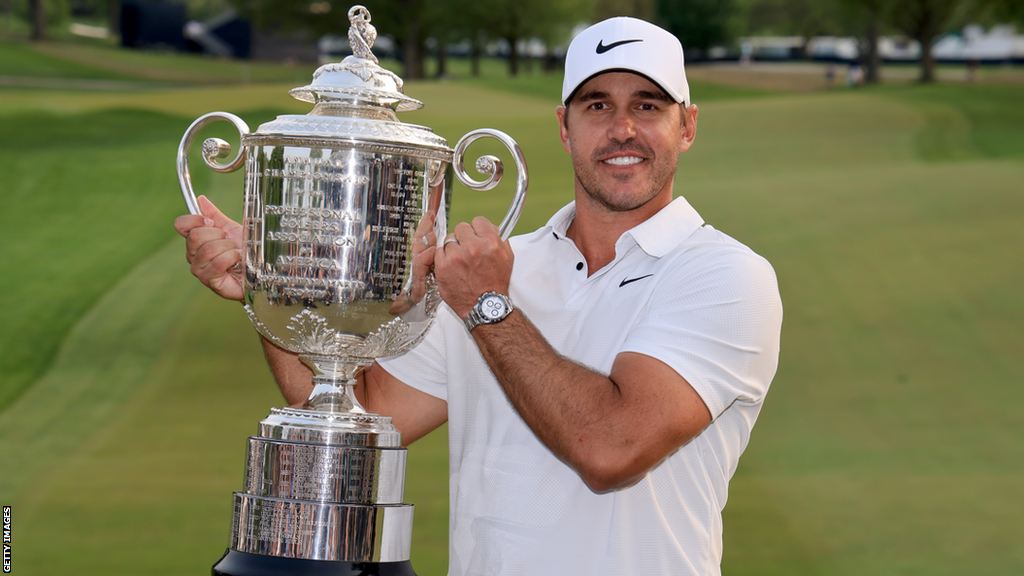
x=399, y=18
x=643, y=9
x=37, y=15
x=699, y=24
x=515, y=20
x=921, y=20
x=505, y=21
x=925, y=20
x=805, y=18
x=452, y=21
x=112, y=10
x=867, y=18
x=802, y=18
x=1003, y=12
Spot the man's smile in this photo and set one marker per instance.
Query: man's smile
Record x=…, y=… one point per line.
x=623, y=154
x=624, y=160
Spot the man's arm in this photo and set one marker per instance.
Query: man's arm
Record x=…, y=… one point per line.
x=413, y=413
x=612, y=429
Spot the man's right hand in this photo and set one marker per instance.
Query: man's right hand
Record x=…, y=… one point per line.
x=213, y=246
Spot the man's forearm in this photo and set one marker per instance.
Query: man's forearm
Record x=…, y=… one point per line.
x=294, y=378
x=612, y=429
x=412, y=412
x=567, y=405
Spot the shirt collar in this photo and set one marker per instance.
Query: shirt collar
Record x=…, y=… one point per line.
x=667, y=229
x=657, y=235
x=559, y=223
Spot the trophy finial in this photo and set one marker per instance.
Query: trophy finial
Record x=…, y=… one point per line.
x=359, y=79
x=361, y=34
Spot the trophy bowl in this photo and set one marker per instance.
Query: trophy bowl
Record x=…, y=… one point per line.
x=337, y=202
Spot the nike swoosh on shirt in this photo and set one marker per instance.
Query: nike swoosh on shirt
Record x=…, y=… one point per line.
x=631, y=280
x=601, y=48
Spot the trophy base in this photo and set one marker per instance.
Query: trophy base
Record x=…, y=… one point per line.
x=235, y=563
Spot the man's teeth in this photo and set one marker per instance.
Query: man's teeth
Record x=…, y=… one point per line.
x=624, y=160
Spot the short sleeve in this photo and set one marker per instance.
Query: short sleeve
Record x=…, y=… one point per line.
x=715, y=319
x=424, y=366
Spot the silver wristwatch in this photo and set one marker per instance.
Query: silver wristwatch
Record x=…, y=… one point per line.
x=490, y=308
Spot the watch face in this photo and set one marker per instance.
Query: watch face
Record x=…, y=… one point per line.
x=493, y=308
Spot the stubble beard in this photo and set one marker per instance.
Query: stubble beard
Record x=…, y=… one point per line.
x=661, y=176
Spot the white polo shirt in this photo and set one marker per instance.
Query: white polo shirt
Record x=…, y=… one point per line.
x=678, y=290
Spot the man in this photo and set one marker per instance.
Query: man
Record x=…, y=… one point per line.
x=595, y=424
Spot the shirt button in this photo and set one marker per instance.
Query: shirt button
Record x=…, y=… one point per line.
x=579, y=265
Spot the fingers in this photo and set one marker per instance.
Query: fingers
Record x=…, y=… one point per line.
x=203, y=251
x=476, y=237
x=184, y=224
x=209, y=255
x=213, y=264
x=215, y=216
x=422, y=242
x=210, y=234
x=422, y=263
x=483, y=227
x=211, y=216
x=213, y=247
x=214, y=260
x=478, y=262
x=424, y=247
x=426, y=223
x=424, y=236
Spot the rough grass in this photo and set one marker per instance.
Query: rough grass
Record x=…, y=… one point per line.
x=888, y=445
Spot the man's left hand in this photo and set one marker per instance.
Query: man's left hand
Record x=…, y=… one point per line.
x=477, y=261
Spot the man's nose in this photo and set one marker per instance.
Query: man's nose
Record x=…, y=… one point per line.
x=623, y=127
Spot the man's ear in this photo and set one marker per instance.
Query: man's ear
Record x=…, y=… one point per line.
x=689, y=128
x=563, y=132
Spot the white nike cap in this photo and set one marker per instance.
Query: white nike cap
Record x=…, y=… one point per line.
x=629, y=45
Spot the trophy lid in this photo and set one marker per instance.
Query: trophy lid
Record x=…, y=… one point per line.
x=355, y=100
x=358, y=78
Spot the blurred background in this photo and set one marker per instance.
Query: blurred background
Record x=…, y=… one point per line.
x=872, y=150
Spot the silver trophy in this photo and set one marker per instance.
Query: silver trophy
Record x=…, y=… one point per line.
x=336, y=204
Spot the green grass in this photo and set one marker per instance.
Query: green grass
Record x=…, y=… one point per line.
x=102, y=61
x=67, y=180
x=18, y=59
x=889, y=443
x=967, y=121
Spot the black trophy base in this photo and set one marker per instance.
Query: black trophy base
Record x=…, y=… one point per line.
x=236, y=563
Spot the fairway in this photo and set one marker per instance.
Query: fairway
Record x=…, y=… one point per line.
x=889, y=443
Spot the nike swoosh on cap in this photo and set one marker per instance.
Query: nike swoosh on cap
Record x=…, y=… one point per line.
x=601, y=48
x=631, y=280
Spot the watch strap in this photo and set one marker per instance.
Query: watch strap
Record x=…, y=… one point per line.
x=476, y=316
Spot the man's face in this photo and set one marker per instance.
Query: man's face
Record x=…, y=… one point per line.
x=625, y=136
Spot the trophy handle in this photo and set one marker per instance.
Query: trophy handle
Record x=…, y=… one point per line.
x=493, y=169
x=213, y=148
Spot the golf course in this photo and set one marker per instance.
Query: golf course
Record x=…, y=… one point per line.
x=890, y=442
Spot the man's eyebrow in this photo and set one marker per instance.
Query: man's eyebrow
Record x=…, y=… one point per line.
x=652, y=95
x=592, y=95
x=657, y=95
